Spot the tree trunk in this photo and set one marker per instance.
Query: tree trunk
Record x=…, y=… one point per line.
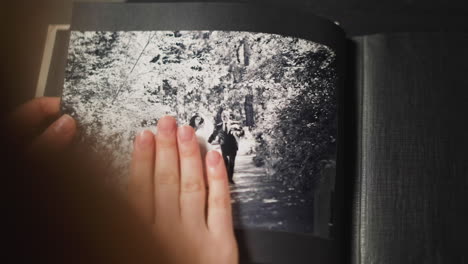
x=249, y=111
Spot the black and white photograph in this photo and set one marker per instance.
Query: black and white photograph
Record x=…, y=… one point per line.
x=266, y=102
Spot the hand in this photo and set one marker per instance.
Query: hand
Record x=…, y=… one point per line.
x=30, y=125
x=168, y=188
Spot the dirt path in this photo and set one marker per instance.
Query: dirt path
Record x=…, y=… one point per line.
x=260, y=202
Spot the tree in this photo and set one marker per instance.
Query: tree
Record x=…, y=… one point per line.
x=281, y=88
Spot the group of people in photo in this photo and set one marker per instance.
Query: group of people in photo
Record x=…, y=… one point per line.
x=226, y=133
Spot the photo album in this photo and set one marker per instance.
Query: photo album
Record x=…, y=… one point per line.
x=341, y=146
x=261, y=85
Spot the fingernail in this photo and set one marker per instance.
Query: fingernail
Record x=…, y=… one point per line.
x=185, y=133
x=212, y=158
x=166, y=125
x=64, y=124
x=144, y=138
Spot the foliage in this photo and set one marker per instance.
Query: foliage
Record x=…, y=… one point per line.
x=120, y=82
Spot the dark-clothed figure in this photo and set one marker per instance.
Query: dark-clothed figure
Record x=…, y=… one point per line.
x=228, y=143
x=196, y=121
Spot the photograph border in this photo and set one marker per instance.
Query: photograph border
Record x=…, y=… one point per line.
x=256, y=246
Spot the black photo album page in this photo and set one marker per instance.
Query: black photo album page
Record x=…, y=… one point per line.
x=260, y=85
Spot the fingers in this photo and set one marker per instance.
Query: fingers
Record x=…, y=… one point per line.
x=219, y=201
x=33, y=114
x=192, y=187
x=140, y=185
x=179, y=183
x=57, y=136
x=166, y=172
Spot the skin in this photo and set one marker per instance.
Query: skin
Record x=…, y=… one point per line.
x=183, y=200
x=168, y=189
x=28, y=119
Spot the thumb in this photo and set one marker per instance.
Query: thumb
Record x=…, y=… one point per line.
x=56, y=137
